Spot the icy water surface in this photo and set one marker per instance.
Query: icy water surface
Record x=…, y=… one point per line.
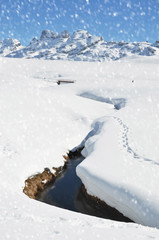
x=66, y=193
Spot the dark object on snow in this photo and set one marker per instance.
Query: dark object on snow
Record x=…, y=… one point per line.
x=64, y=81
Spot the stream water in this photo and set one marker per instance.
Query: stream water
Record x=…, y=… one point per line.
x=66, y=192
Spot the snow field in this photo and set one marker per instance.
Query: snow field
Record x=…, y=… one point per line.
x=40, y=121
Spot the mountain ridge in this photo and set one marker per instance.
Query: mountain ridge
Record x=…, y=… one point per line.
x=81, y=46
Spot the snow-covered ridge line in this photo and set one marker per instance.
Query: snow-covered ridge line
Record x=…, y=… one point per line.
x=81, y=46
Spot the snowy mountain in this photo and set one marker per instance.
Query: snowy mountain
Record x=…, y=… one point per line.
x=9, y=45
x=80, y=46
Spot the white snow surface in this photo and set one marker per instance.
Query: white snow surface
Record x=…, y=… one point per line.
x=40, y=121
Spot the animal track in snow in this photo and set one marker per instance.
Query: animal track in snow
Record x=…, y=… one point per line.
x=125, y=143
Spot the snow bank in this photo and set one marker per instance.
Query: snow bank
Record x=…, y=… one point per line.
x=118, y=176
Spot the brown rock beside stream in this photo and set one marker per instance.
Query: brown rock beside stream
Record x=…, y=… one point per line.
x=37, y=183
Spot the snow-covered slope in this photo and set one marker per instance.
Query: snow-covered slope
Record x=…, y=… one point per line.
x=9, y=45
x=81, y=46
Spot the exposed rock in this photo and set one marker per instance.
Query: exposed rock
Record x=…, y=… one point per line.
x=156, y=44
x=65, y=34
x=37, y=183
x=48, y=34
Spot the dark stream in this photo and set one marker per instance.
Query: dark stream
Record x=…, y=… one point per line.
x=66, y=192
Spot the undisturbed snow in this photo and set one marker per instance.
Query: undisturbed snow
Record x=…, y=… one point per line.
x=40, y=121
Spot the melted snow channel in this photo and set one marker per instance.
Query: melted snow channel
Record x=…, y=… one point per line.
x=117, y=102
x=66, y=192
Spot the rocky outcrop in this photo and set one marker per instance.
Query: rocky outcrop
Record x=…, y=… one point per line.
x=35, y=184
x=47, y=34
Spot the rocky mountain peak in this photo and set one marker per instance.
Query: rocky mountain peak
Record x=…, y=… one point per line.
x=47, y=34
x=65, y=34
x=81, y=34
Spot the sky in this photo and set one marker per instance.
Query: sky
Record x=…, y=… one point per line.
x=114, y=20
